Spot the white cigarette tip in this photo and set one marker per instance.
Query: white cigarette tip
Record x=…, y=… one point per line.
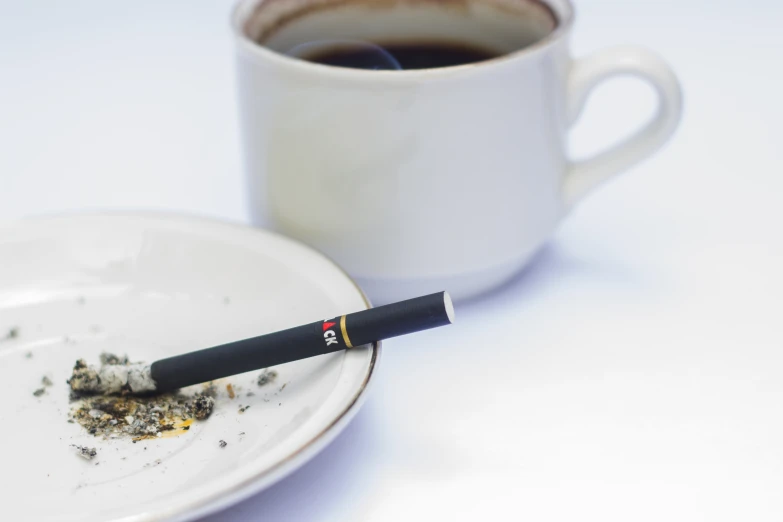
x=449, y=306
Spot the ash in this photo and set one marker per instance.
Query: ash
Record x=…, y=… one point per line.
x=116, y=375
x=13, y=333
x=202, y=406
x=85, y=452
x=114, y=360
x=140, y=417
x=144, y=417
x=267, y=377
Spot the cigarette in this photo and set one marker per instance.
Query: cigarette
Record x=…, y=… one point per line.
x=321, y=337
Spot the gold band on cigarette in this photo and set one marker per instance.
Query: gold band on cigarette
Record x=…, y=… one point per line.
x=345, y=333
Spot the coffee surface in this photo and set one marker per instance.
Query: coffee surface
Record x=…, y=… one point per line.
x=413, y=55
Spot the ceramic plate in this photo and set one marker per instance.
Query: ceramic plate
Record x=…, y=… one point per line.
x=152, y=287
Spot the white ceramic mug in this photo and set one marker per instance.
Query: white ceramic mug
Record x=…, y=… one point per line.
x=423, y=180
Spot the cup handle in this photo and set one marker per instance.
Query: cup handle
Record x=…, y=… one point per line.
x=586, y=73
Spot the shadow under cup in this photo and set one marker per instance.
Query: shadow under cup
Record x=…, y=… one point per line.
x=497, y=27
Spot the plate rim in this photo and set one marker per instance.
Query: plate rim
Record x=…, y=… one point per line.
x=210, y=504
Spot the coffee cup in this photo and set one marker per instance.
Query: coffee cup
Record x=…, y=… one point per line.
x=446, y=176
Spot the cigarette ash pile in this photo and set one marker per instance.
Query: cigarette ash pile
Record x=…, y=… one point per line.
x=139, y=417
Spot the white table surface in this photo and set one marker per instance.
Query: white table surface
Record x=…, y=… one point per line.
x=632, y=373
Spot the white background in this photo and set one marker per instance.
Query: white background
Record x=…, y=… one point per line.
x=633, y=372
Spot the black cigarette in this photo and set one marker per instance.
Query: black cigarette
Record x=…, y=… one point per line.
x=330, y=335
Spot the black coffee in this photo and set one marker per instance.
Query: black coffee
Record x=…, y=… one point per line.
x=415, y=55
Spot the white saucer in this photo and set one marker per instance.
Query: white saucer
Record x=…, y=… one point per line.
x=151, y=287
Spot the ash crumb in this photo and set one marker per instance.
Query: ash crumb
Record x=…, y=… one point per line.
x=230, y=390
x=250, y=394
x=46, y=381
x=13, y=333
x=28, y=355
x=203, y=406
x=243, y=409
x=222, y=444
x=267, y=377
x=112, y=360
x=83, y=376
x=85, y=452
x=283, y=386
x=39, y=392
